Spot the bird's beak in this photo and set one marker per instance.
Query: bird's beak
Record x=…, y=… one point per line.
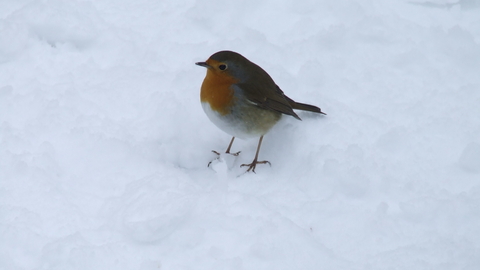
x=203, y=64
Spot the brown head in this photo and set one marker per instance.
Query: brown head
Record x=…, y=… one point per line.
x=231, y=64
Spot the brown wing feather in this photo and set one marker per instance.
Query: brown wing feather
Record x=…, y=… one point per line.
x=266, y=99
x=262, y=90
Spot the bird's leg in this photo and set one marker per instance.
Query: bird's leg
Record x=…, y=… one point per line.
x=251, y=166
x=230, y=146
x=226, y=152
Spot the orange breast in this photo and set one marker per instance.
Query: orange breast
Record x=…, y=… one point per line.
x=217, y=90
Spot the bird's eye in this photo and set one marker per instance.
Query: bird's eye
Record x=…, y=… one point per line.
x=222, y=67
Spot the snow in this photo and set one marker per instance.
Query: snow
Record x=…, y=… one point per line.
x=104, y=145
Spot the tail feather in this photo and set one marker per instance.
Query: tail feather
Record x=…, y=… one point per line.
x=303, y=106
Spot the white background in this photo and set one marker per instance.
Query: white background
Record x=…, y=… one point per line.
x=104, y=144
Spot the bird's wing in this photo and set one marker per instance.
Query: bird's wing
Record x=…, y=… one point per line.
x=271, y=100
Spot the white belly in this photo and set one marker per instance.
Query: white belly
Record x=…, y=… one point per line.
x=254, y=123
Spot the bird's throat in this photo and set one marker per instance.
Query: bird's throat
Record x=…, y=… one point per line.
x=217, y=90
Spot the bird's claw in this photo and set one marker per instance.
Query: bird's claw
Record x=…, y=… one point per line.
x=253, y=165
x=218, y=156
x=234, y=154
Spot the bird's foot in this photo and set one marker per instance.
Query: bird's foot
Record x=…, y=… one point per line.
x=218, y=156
x=233, y=154
x=253, y=165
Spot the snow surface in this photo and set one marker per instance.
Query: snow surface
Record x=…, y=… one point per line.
x=104, y=144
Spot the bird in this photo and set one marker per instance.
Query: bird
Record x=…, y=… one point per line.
x=241, y=99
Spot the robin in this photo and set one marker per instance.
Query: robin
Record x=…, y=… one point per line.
x=241, y=99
